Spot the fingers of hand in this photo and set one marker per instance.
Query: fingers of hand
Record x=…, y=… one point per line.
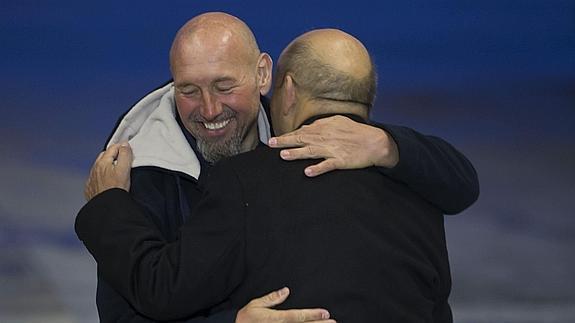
x=88, y=186
x=297, y=138
x=111, y=169
x=111, y=153
x=100, y=156
x=307, y=152
x=286, y=141
x=317, y=133
x=124, y=159
x=321, y=168
x=303, y=315
x=272, y=299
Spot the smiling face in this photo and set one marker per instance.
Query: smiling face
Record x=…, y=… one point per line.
x=218, y=81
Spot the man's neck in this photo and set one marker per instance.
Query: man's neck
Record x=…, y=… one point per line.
x=318, y=110
x=250, y=142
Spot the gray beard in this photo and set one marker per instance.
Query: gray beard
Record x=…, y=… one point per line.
x=214, y=151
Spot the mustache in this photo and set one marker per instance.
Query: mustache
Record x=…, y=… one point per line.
x=227, y=113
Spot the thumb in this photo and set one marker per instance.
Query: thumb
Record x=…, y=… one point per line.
x=110, y=154
x=125, y=157
x=272, y=299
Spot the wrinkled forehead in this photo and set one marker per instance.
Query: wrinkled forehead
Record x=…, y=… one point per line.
x=213, y=43
x=205, y=72
x=208, y=65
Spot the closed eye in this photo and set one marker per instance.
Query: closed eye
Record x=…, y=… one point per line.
x=188, y=90
x=225, y=85
x=223, y=89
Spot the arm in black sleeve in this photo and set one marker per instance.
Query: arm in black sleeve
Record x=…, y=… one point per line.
x=113, y=308
x=167, y=280
x=434, y=169
x=150, y=187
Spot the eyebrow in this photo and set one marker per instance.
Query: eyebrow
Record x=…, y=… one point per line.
x=184, y=84
x=218, y=80
x=224, y=79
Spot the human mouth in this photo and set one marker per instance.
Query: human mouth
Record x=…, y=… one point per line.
x=216, y=125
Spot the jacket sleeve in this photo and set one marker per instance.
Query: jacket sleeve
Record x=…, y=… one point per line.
x=113, y=308
x=167, y=280
x=434, y=169
x=149, y=188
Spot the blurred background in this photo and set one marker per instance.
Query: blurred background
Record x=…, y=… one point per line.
x=496, y=78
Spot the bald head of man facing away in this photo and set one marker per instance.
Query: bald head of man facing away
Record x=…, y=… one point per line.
x=324, y=71
x=219, y=74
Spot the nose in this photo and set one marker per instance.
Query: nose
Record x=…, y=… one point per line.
x=211, y=107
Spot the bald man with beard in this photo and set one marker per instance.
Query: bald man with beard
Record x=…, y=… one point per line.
x=357, y=242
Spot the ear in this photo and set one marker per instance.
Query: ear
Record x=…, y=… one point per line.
x=265, y=65
x=289, y=95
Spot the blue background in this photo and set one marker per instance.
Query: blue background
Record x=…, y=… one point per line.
x=495, y=78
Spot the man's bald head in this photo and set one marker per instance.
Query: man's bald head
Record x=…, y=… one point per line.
x=219, y=75
x=329, y=64
x=214, y=31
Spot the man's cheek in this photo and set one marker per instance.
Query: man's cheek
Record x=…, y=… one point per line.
x=184, y=107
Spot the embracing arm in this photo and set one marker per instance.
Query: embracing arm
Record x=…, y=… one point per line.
x=113, y=308
x=428, y=165
x=161, y=280
x=434, y=169
x=149, y=189
x=115, y=229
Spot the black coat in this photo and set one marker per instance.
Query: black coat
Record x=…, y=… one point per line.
x=354, y=242
x=428, y=165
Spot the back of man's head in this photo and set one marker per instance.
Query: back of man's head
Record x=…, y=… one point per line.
x=330, y=68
